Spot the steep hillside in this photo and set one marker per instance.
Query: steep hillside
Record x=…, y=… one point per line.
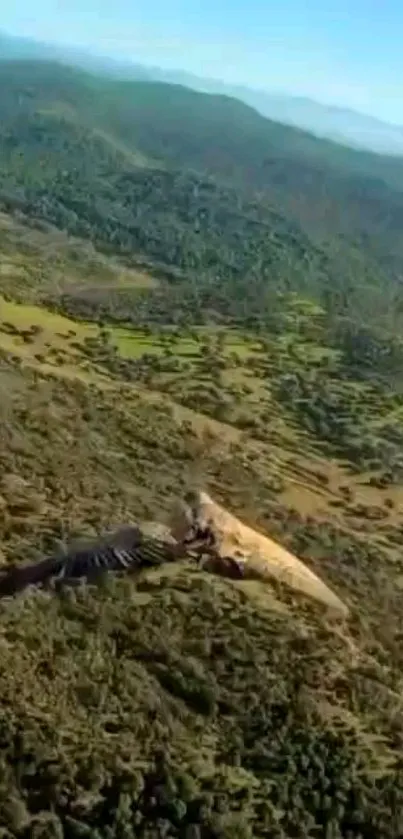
x=180, y=704
x=226, y=204
x=190, y=294
x=338, y=124
x=132, y=108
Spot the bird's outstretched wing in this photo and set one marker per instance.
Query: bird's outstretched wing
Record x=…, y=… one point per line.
x=128, y=549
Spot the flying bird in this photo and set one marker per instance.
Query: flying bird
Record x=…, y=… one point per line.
x=199, y=529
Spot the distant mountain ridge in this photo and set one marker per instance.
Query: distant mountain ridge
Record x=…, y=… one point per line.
x=195, y=182
x=341, y=125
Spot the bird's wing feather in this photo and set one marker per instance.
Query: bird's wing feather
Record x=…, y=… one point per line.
x=126, y=549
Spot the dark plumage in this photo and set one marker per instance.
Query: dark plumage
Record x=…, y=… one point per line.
x=128, y=549
x=121, y=551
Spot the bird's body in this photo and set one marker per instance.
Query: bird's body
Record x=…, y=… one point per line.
x=199, y=530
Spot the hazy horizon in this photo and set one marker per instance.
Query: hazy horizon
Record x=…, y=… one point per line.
x=333, y=53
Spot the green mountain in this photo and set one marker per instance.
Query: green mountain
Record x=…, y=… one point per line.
x=190, y=293
x=15, y=48
x=235, y=209
x=343, y=125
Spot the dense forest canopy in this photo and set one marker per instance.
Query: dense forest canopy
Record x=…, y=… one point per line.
x=229, y=203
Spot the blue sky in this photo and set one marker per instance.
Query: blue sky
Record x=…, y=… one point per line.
x=348, y=52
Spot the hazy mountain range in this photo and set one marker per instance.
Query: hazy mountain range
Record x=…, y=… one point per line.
x=340, y=124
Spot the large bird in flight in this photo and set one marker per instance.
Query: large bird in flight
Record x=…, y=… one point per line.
x=200, y=529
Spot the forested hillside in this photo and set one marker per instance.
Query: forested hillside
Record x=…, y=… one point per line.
x=221, y=199
x=339, y=124
x=193, y=295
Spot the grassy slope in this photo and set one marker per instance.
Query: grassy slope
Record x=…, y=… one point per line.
x=272, y=721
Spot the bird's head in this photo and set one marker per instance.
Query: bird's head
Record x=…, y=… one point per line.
x=188, y=516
